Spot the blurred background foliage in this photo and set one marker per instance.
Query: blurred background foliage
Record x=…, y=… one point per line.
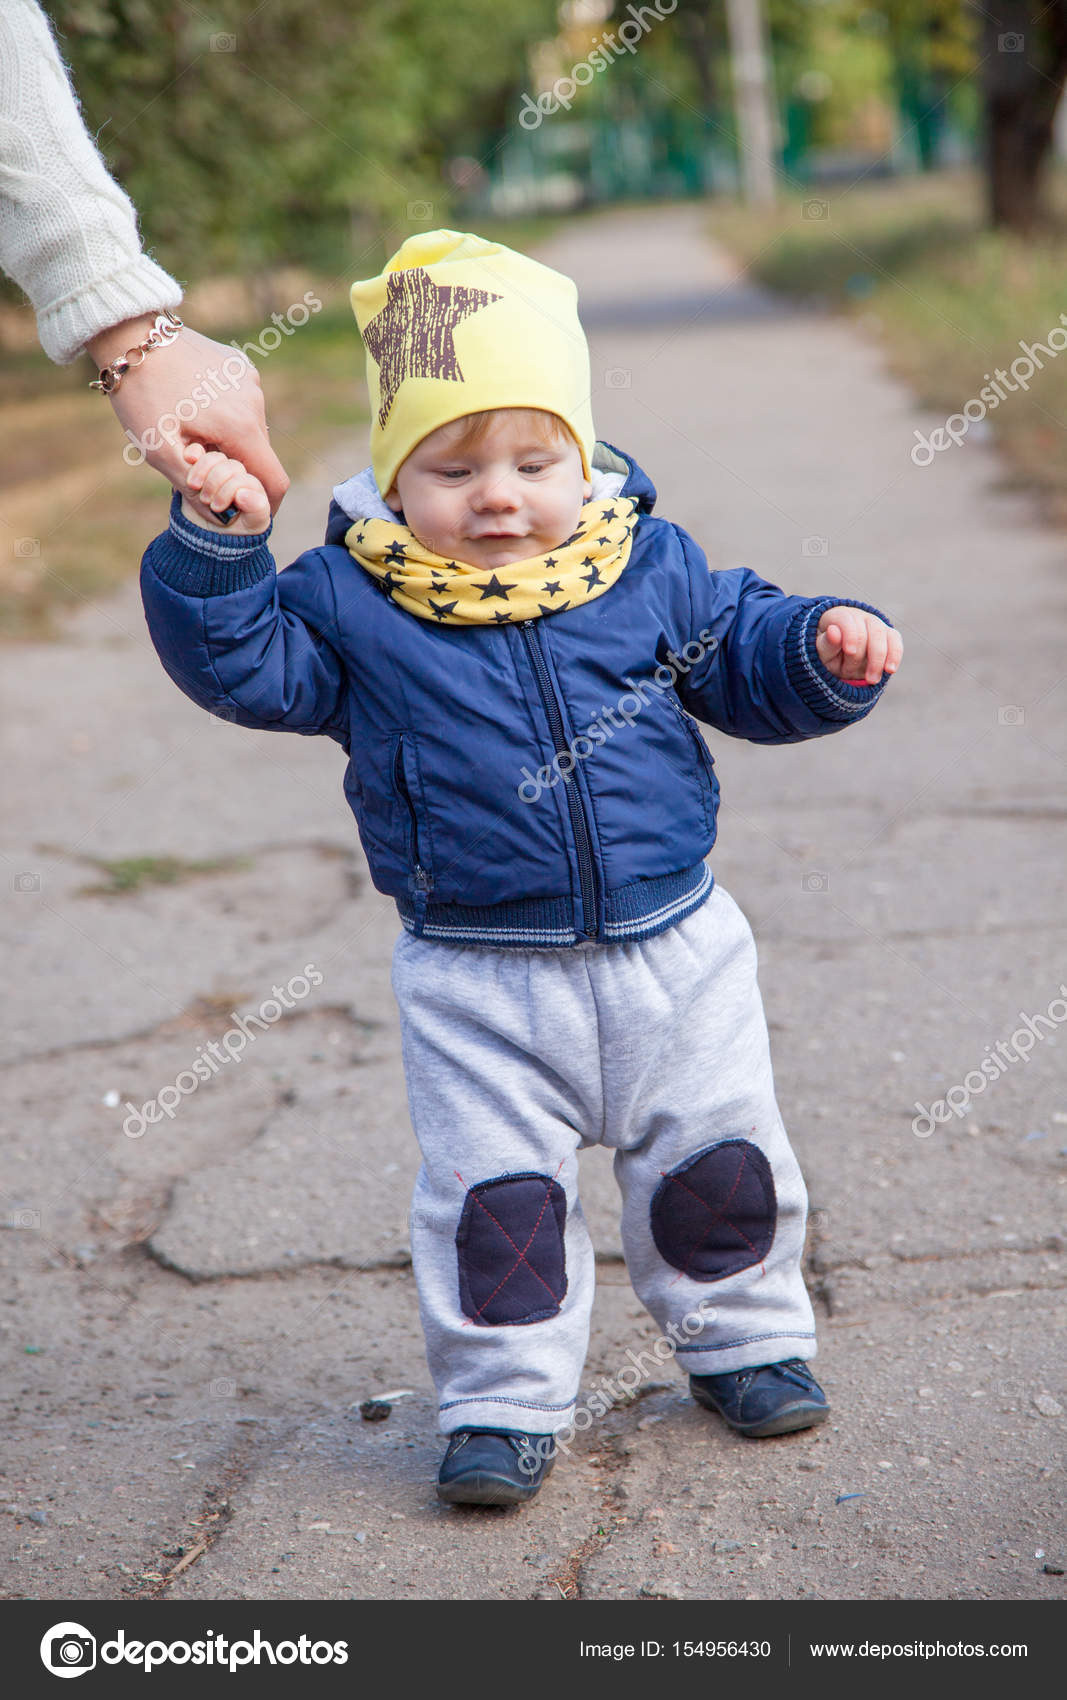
x=917, y=150
x=252, y=136
x=284, y=132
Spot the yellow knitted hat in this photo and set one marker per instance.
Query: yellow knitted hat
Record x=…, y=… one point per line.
x=456, y=324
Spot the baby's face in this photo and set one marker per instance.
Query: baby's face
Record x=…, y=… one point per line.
x=512, y=495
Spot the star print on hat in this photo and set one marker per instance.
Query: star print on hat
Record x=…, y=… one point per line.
x=412, y=336
x=456, y=324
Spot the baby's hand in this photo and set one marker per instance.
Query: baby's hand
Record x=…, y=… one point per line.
x=220, y=483
x=857, y=646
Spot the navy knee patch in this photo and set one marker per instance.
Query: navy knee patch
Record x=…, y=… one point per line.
x=510, y=1248
x=716, y=1213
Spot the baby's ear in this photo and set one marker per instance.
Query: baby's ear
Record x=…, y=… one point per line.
x=392, y=499
x=587, y=489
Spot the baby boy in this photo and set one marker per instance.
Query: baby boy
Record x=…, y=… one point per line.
x=513, y=651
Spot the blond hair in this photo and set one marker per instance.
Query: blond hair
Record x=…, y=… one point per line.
x=476, y=426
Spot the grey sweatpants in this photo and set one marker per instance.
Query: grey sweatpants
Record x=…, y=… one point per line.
x=515, y=1059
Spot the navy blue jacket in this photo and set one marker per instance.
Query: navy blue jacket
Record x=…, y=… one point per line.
x=539, y=782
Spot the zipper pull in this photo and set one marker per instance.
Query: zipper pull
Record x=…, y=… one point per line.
x=423, y=883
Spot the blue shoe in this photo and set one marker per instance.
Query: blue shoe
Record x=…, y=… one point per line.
x=769, y=1399
x=485, y=1466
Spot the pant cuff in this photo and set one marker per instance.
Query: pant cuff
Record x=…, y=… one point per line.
x=498, y=1411
x=748, y=1353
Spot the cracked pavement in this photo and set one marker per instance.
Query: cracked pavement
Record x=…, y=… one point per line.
x=194, y=1316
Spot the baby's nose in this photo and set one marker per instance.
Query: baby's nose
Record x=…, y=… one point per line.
x=497, y=495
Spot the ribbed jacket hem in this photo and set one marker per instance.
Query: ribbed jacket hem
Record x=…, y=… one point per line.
x=197, y=562
x=635, y=911
x=825, y=694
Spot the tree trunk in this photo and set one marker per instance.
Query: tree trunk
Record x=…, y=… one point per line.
x=1024, y=64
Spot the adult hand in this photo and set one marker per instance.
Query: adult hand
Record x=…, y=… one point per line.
x=191, y=390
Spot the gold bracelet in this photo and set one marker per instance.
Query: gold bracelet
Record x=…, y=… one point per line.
x=164, y=330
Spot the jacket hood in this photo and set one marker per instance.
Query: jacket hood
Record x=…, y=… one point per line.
x=614, y=474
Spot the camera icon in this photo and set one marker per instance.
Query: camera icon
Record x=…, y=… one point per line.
x=227, y=713
x=25, y=1219
x=224, y=1388
x=815, y=881
x=1011, y=714
x=1011, y=43
x=26, y=882
x=816, y=209
x=68, y=1649
x=224, y=42
x=617, y=378
x=27, y=548
x=420, y=209
x=815, y=546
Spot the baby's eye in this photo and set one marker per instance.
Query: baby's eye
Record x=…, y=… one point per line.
x=454, y=472
x=533, y=466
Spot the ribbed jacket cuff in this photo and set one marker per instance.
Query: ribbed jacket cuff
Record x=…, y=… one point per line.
x=197, y=562
x=823, y=692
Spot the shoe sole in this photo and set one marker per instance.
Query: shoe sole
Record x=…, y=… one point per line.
x=794, y=1417
x=480, y=1489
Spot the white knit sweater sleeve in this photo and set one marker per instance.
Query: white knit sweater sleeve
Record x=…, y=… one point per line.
x=68, y=234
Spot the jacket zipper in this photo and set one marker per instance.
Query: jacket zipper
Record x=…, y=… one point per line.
x=423, y=877
x=583, y=840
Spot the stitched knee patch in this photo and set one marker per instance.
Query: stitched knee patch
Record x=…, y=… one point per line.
x=716, y=1213
x=510, y=1248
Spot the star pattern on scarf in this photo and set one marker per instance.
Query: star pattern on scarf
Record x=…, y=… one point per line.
x=593, y=575
x=495, y=588
x=408, y=572
x=412, y=335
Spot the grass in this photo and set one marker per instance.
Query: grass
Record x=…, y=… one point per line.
x=132, y=873
x=949, y=300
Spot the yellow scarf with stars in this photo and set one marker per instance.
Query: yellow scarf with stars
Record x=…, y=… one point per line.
x=452, y=593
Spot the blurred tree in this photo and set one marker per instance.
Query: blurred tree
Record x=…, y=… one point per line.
x=1023, y=68
x=252, y=138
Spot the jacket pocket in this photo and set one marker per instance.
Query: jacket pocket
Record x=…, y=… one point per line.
x=407, y=781
x=705, y=763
